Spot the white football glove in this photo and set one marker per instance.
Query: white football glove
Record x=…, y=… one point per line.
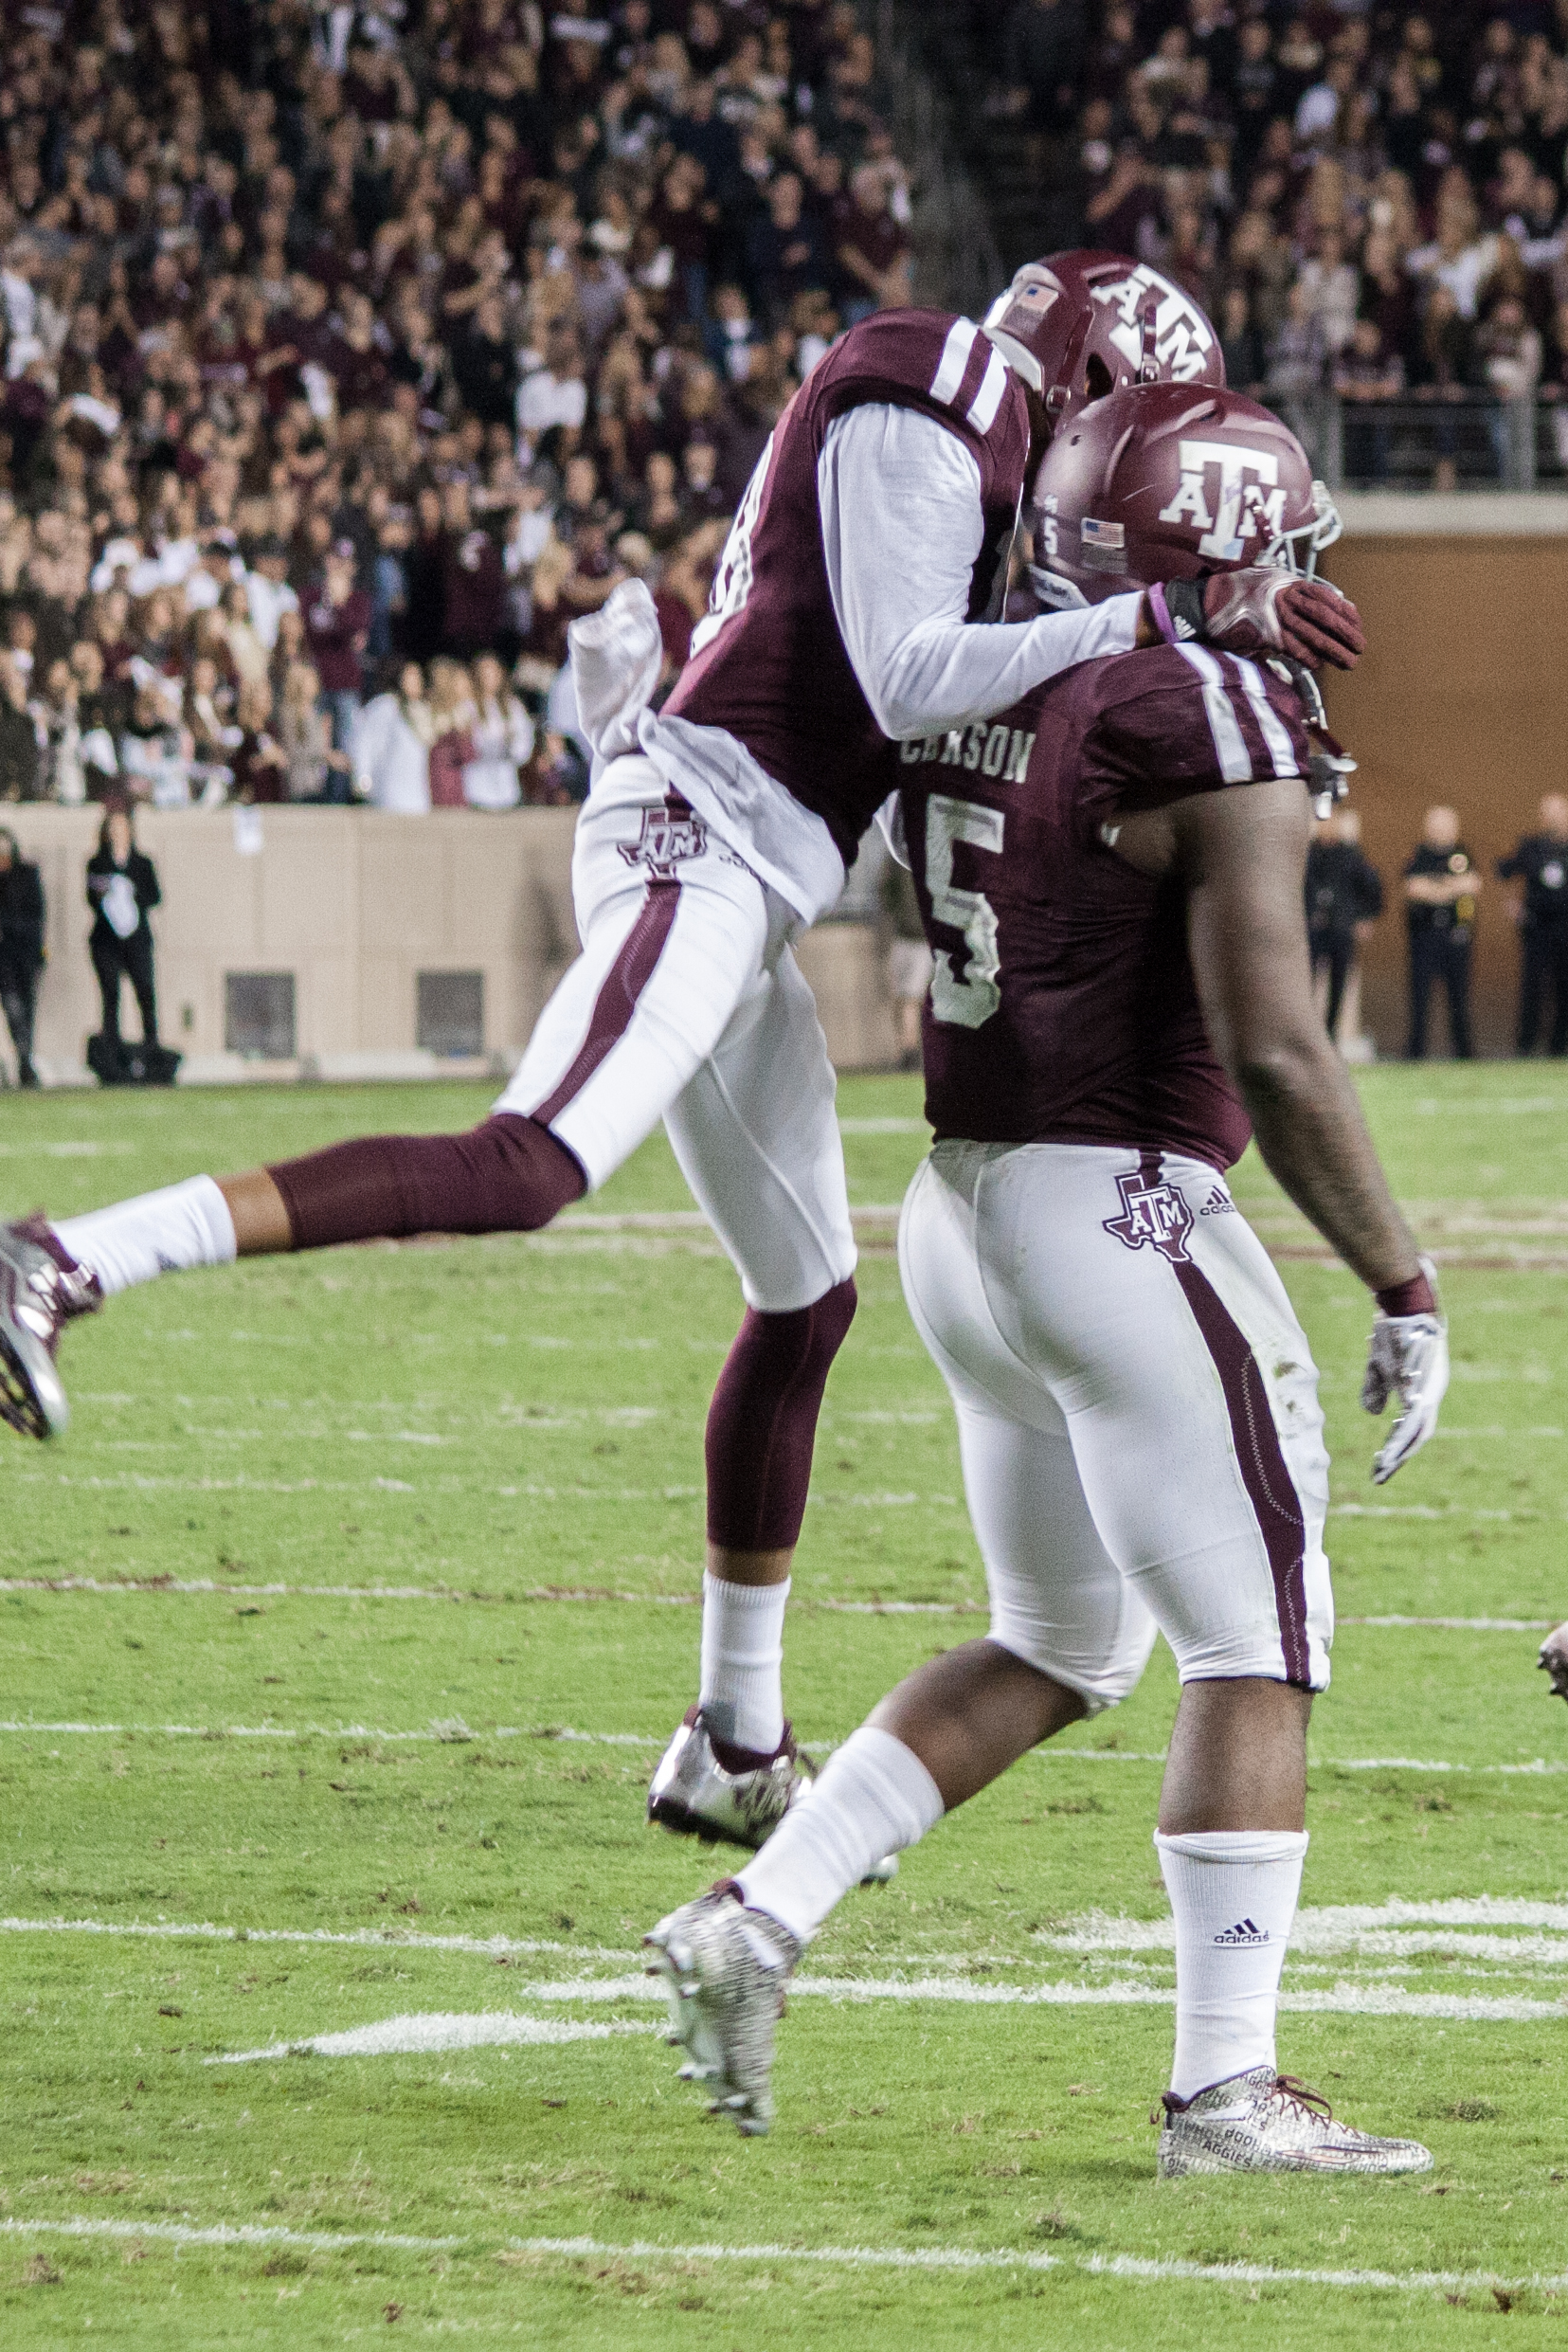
x=1408, y=1360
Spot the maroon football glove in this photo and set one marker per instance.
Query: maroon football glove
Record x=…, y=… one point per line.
x=1554, y=1657
x=1261, y=610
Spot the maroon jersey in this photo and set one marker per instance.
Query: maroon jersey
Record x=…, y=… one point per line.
x=769, y=666
x=1064, y=1009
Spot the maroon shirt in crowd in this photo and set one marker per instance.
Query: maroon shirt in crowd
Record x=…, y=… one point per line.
x=772, y=622
x=1075, y=1017
x=336, y=635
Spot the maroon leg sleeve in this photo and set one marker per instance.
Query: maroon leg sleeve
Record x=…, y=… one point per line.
x=762, y=1424
x=511, y=1175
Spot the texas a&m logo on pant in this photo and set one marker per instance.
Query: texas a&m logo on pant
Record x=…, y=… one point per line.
x=669, y=835
x=1154, y=1213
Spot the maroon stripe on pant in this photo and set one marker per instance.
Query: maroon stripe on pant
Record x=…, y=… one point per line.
x=617, y=999
x=1270, y=1486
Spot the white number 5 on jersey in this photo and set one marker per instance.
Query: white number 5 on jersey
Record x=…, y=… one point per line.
x=970, y=1001
x=732, y=580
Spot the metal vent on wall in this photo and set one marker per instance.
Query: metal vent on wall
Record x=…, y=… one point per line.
x=450, y=1012
x=258, y=1014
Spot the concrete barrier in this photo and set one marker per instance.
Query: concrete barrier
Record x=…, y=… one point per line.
x=352, y=944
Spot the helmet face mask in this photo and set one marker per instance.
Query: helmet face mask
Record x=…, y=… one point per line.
x=1163, y=481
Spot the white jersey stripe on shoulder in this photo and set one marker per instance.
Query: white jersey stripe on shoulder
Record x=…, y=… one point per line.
x=955, y=359
x=993, y=384
x=1224, y=727
x=1273, y=728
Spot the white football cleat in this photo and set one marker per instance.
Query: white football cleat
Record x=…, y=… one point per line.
x=724, y=1968
x=1554, y=1658
x=42, y=1288
x=728, y=1795
x=1264, y=2122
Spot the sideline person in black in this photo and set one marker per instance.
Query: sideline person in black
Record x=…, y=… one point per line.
x=1541, y=862
x=1441, y=890
x=121, y=887
x=1344, y=898
x=21, y=950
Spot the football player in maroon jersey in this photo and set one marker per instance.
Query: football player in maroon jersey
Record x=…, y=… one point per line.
x=1110, y=874
x=850, y=614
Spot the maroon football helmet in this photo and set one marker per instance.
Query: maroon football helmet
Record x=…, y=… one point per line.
x=1163, y=481
x=1079, y=325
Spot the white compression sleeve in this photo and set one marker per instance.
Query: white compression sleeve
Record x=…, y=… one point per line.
x=1234, y=1895
x=874, y=1796
x=899, y=565
x=156, y=1233
x=741, y=1694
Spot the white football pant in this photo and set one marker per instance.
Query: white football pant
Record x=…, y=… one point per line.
x=1138, y=1413
x=687, y=1005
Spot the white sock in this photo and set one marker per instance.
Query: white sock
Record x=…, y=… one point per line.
x=872, y=1796
x=1234, y=1894
x=163, y=1232
x=742, y=1694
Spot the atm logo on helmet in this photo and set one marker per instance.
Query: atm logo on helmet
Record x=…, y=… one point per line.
x=1249, y=499
x=1182, y=336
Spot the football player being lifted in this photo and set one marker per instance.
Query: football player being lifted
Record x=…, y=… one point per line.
x=850, y=616
x=1111, y=879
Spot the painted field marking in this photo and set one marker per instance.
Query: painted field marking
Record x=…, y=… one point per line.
x=363, y=1939
x=567, y=1596
x=1342, y=2000
x=456, y=1732
x=434, y=2030
x=1150, y=2269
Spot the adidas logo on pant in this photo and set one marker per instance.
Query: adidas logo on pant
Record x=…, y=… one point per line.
x=1245, y=1932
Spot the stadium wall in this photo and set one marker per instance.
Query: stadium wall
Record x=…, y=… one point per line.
x=1462, y=697
x=353, y=907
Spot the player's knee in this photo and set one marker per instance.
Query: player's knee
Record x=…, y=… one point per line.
x=522, y=1175
x=1101, y=1675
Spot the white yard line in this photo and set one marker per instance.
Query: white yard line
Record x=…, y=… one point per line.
x=456, y=1732
x=434, y=2030
x=376, y=1939
x=212, y=1586
x=1152, y=2270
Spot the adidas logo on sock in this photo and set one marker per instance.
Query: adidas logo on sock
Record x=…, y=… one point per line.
x=1245, y=1932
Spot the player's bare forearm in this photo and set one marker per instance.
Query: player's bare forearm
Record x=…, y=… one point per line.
x=1315, y=1144
x=1243, y=854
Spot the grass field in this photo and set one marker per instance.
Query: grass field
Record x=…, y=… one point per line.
x=343, y=1630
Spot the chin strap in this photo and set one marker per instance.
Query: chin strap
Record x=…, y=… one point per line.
x=1331, y=766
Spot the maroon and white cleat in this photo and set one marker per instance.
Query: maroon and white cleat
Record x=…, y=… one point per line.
x=705, y=1788
x=42, y=1288
x=730, y=1796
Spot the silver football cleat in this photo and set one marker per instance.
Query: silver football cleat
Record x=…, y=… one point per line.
x=724, y=1969
x=1554, y=1658
x=734, y=1804
x=701, y=1789
x=40, y=1291
x=1264, y=2122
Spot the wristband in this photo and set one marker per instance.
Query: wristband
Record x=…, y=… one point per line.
x=1414, y=1297
x=1177, y=607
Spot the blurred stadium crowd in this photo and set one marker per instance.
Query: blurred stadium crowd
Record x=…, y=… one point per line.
x=1367, y=200
x=349, y=353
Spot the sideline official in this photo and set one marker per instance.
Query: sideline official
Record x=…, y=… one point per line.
x=1541, y=862
x=1442, y=889
x=1345, y=897
x=21, y=948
